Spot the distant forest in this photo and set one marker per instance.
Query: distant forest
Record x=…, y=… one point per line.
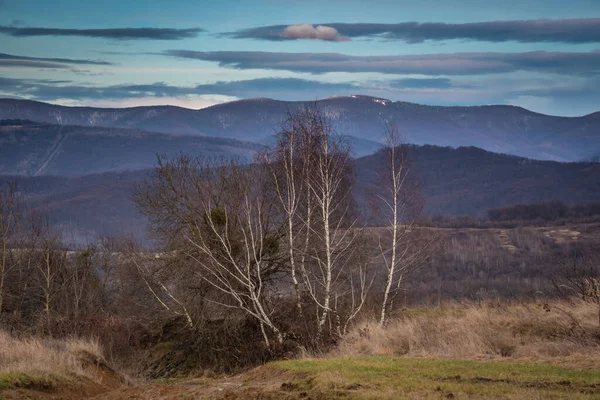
x=544, y=211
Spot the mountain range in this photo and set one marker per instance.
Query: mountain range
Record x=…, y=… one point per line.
x=496, y=128
x=80, y=164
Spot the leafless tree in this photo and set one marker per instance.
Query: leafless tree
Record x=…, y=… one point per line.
x=580, y=276
x=50, y=266
x=11, y=233
x=108, y=250
x=311, y=170
x=333, y=229
x=399, y=197
x=251, y=234
x=222, y=221
x=286, y=165
x=149, y=270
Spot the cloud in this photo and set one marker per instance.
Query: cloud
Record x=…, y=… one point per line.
x=282, y=88
x=110, y=33
x=30, y=64
x=8, y=85
x=568, y=63
x=195, y=103
x=12, y=57
x=307, y=31
x=583, y=30
x=421, y=83
x=275, y=87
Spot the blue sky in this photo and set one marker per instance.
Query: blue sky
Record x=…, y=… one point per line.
x=542, y=55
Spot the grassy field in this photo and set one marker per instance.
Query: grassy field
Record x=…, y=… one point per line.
x=362, y=377
x=381, y=377
x=399, y=377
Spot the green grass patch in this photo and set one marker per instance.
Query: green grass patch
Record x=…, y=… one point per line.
x=388, y=378
x=32, y=380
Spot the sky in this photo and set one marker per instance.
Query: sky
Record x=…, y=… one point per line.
x=543, y=55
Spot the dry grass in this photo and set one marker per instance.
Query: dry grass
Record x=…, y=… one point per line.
x=44, y=362
x=533, y=331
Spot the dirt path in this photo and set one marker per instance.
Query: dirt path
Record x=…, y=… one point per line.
x=165, y=391
x=237, y=387
x=266, y=383
x=505, y=241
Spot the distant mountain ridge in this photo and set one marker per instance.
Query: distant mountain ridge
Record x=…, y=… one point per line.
x=497, y=128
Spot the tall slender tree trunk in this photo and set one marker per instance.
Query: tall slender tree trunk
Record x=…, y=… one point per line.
x=325, y=209
x=392, y=264
x=2, y=274
x=391, y=271
x=293, y=264
x=47, y=290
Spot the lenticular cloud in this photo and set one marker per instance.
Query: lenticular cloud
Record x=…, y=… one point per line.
x=308, y=31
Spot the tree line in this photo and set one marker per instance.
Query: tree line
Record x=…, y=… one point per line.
x=544, y=211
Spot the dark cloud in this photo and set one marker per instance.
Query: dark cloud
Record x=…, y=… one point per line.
x=587, y=63
x=264, y=87
x=12, y=57
x=111, y=33
x=11, y=84
x=585, y=30
x=30, y=64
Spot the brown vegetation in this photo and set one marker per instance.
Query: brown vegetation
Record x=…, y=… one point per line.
x=39, y=367
x=541, y=331
x=46, y=356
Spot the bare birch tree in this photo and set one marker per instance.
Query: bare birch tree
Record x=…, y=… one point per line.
x=286, y=166
x=398, y=195
x=311, y=171
x=325, y=182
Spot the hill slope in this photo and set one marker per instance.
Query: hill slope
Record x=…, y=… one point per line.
x=469, y=180
x=464, y=181
x=504, y=129
x=43, y=149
